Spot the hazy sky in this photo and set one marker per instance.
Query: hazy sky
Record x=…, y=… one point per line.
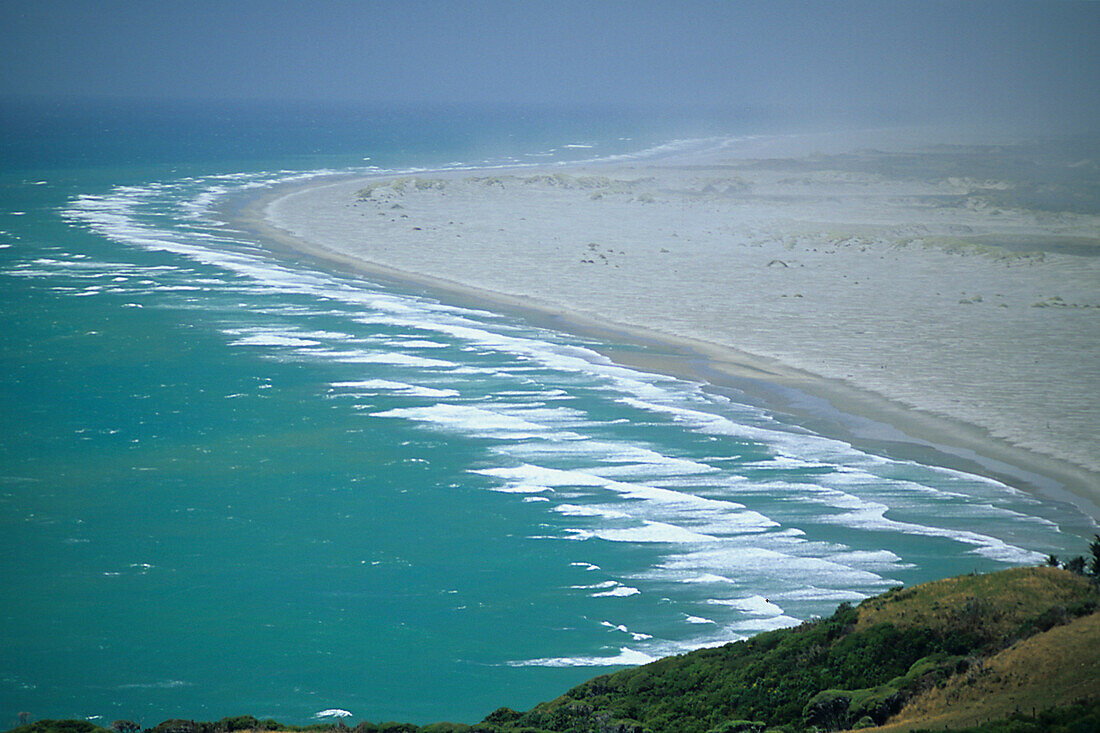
x=894, y=54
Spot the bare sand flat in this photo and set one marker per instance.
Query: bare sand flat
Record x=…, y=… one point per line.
x=958, y=283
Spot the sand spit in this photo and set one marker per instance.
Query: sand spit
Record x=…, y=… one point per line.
x=959, y=282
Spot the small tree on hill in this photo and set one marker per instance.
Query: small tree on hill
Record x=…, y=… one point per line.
x=1052, y=561
x=1094, y=561
x=1076, y=565
x=125, y=726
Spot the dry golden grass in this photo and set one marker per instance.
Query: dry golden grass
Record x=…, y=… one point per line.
x=1056, y=667
x=1001, y=600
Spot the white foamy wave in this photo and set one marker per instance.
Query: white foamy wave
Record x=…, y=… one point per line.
x=755, y=605
x=762, y=567
x=651, y=531
x=870, y=559
x=471, y=420
x=637, y=636
x=562, y=417
x=813, y=593
x=415, y=344
x=608, y=589
x=619, y=591
x=705, y=578
x=556, y=477
x=385, y=385
x=627, y=459
x=382, y=357
x=604, y=584
x=792, y=449
x=625, y=658
x=573, y=510
x=662, y=515
x=332, y=713
x=273, y=340
x=653, y=469
x=524, y=489
x=758, y=625
x=871, y=516
x=541, y=351
x=988, y=510
x=161, y=685
x=680, y=147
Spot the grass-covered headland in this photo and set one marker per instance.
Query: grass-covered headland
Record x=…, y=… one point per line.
x=1013, y=651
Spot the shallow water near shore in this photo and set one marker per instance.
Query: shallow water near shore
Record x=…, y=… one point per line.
x=232, y=483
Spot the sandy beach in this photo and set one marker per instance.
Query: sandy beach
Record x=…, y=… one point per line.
x=947, y=292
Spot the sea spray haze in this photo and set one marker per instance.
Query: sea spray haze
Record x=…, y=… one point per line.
x=232, y=482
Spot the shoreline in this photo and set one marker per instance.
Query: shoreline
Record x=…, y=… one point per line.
x=831, y=407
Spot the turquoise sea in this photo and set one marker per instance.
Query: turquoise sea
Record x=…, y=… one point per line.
x=232, y=483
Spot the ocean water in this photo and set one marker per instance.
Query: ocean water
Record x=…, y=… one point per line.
x=233, y=483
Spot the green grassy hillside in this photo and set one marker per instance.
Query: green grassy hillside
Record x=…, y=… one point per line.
x=861, y=665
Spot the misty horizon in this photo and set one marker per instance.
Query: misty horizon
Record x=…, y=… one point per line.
x=1034, y=63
